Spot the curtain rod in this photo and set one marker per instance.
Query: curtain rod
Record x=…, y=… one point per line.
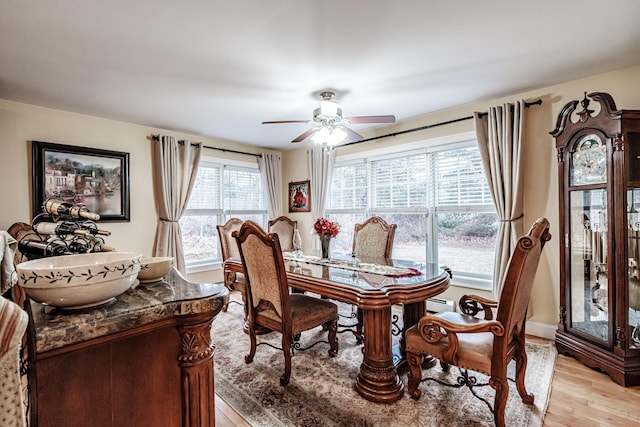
x=448, y=122
x=157, y=138
x=232, y=151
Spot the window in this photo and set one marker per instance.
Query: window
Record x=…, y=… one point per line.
x=439, y=198
x=222, y=191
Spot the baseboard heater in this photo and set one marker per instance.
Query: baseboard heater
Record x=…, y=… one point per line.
x=436, y=305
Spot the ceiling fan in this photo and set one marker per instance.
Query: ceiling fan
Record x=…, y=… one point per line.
x=330, y=126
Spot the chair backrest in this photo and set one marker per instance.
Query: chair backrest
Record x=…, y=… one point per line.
x=518, y=282
x=283, y=227
x=228, y=246
x=13, y=324
x=265, y=274
x=373, y=238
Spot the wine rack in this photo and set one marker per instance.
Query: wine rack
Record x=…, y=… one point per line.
x=63, y=228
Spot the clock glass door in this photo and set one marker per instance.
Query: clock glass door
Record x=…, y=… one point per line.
x=589, y=283
x=633, y=264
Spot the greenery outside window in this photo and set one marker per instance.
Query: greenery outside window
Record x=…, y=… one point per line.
x=222, y=191
x=437, y=195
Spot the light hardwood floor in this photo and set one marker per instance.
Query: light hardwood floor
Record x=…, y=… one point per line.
x=580, y=396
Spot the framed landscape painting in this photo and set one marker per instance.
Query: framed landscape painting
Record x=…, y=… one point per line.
x=95, y=178
x=299, y=196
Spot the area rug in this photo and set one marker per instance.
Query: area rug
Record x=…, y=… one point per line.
x=321, y=390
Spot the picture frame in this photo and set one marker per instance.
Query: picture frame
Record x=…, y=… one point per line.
x=299, y=196
x=96, y=178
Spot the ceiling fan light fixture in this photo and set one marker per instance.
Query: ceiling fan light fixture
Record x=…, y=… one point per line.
x=328, y=108
x=329, y=125
x=329, y=136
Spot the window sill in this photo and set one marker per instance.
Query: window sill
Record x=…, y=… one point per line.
x=472, y=283
x=203, y=266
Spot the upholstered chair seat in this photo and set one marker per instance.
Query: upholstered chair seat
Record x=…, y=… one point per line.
x=474, y=349
x=305, y=316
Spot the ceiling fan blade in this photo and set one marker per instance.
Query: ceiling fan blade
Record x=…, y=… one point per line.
x=305, y=135
x=286, y=121
x=351, y=134
x=372, y=119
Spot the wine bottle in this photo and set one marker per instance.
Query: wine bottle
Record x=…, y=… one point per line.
x=102, y=247
x=81, y=247
x=60, y=228
x=34, y=249
x=68, y=210
x=78, y=247
x=90, y=228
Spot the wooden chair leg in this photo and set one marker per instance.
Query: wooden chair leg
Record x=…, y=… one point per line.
x=286, y=349
x=414, y=377
x=521, y=370
x=502, y=393
x=333, y=337
x=252, y=349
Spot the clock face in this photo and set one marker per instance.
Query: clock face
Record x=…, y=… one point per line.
x=589, y=161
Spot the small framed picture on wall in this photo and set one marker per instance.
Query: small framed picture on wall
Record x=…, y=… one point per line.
x=299, y=196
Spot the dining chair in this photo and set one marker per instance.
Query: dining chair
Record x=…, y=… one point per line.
x=229, y=249
x=13, y=325
x=284, y=228
x=483, y=344
x=18, y=344
x=373, y=238
x=269, y=302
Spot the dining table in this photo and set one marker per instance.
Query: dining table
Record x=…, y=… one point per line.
x=373, y=285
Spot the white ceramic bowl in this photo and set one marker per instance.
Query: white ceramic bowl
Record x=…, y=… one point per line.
x=154, y=269
x=79, y=281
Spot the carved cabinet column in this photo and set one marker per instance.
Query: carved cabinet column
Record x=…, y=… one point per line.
x=197, y=373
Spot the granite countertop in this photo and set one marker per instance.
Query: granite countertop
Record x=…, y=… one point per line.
x=147, y=303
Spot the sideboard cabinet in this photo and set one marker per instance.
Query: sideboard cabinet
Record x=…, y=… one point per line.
x=144, y=360
x=599, y=179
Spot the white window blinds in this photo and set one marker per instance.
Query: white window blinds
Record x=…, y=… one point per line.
x=399, y=182
x=349, y=187
x=206, y=192
x=243, y=190
x=458, y=179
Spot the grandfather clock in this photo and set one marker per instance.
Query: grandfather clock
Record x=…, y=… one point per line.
x=599, y=178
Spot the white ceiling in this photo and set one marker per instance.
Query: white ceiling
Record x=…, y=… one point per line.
x=220, y=67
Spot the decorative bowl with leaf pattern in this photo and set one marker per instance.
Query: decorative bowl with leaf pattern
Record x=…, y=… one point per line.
x=154, y=268
x=79, y=280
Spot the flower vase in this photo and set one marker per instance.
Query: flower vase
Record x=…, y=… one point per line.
x=325, y=241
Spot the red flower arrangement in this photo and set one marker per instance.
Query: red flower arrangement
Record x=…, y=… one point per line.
x=324, y=227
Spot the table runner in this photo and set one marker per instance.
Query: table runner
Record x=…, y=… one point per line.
x=347, y=264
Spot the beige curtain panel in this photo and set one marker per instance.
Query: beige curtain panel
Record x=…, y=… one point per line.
x=175, y=167
x=321, y=163
x=270, y=171
x=500, y=135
